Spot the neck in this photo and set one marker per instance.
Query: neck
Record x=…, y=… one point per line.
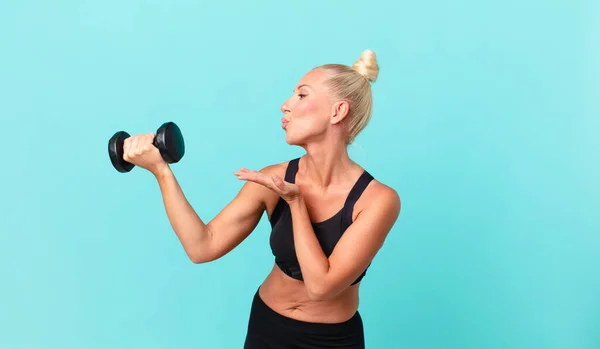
x=328, y=164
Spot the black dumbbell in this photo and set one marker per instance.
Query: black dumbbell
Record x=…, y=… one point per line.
x=168, y=140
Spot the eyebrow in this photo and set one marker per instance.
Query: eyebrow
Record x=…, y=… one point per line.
x=297, y=88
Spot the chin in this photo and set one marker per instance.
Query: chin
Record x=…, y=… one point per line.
x=289, y=139
x=299, y=140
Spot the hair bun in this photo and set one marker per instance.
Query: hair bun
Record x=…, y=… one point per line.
x=367, y=66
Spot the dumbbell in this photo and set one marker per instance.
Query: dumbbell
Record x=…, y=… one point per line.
x=168, y=140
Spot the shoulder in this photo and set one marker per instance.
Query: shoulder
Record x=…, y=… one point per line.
x=379, y=199
x=376, y=212
x=382, y=194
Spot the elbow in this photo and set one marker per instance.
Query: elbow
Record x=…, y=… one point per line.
x=200, y=251
x=198, y=256
x=197, y=259
x=319, y=293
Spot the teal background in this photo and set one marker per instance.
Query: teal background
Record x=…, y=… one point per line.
x=486, y=122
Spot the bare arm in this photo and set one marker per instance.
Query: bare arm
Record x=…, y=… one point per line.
x=202, y=242
x=205, y=242
x=327, y=277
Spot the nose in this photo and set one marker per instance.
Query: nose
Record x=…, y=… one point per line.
x=285, y=108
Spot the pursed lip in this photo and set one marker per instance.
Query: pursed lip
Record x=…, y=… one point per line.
x=284, y=123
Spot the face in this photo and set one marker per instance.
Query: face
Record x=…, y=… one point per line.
x=310, y=114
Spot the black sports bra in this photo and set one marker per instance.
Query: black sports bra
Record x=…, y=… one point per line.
x=328, y=232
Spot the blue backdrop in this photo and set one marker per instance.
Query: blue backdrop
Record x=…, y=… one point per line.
x=486, y=121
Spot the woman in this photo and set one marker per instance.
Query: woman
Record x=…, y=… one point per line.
x=329, y=216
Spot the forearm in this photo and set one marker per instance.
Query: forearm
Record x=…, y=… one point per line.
x=189, y=228
x=312, y=259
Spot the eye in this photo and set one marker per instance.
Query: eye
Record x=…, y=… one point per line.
x=301, y=96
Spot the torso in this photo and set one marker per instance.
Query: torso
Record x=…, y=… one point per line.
x=287, y=295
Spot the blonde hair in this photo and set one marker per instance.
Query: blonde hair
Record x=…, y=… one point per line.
x=353, y=83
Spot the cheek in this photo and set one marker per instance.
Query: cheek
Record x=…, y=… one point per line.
x=308, y=117
x=306, y=109
x=311, y=113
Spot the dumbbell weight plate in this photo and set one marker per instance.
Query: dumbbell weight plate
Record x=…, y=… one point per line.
x=169, y=141
x=115, y=151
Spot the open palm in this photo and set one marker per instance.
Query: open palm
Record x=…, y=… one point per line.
x=287, y=191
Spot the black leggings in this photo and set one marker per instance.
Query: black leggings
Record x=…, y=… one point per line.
x=268, y=329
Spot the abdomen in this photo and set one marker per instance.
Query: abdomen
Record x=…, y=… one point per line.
x=288, y=297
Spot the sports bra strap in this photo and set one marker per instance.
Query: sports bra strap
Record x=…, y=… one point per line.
x=355, y=193
x=290, y=177
x=290, y=172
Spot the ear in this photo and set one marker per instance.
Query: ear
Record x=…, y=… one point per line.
x=339, y=111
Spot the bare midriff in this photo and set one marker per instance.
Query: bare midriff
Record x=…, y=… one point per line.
x=288, y=297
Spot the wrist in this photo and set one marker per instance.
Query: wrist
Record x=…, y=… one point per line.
x=162, y=171
x=296, y=200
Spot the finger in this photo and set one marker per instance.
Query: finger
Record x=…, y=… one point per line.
x=151, y=137
x=254, y=176
x=140, y=144
x=133, y=147
x=126, y=146
x=249, y=172
x=241, y=173
x=253, y=180
x=246, y=175
x=246, y=172
x=146, y=144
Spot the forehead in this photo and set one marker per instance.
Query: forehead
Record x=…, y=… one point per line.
x=315, y=79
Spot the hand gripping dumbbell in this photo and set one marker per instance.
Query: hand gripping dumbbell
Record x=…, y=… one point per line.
x=168, y=140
